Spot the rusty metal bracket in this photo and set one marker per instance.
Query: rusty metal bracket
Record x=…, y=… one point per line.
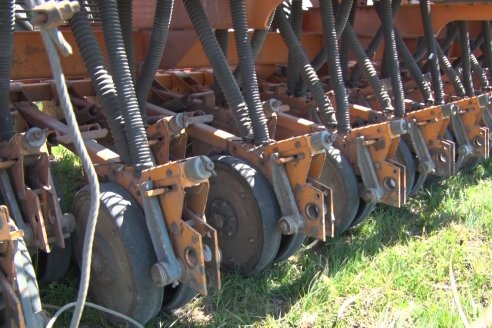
x=487, y=115
x=373, y=192
x=426, y=164
x=182, y=255
x=465, y=149
x=472, y=138
x=291, y=221
x=31, y=185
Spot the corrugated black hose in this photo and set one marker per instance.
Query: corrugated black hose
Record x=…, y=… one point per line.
x=479, y=73
x=336, y=77
x=487, y=45
x=222, y=36
x=296, y=24
x=368, y=69
x=140, y=153
x=101, y=79
x=386, y=17
x=373, y=45
x=257, y=40
x=220, y=66
x=248, y=72
x=158, y=39
x=7, y=24
x=474, y=45
x=341, y=19
x=125, y=11
x=326, y=110
x=345, y=45
x=450, y=72
x=431, y=51
x=465, y=58
x=451, y=35
x=414, y=69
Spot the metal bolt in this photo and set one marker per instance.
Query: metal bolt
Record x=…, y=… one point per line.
x=399, y=127
x=390, y=183
x=218, y=220
x=207, y=253
x=464, y=150
x=35, y=137
x=68, y=223
x=286, y=225
x=424, y=167
x=369, y=196
x=159, y=275
x=320, y=141
x=199, y=168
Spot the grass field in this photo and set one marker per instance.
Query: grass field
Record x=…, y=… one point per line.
x=392, y=271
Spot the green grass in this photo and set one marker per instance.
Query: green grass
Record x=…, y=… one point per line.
x=391, y=271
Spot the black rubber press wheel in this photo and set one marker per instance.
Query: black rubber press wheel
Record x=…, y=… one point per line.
x=243, y=209
x=122, y=255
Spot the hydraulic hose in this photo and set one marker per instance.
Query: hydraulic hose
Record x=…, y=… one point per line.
x=414, y=69
x=220, y=66
x=465, y=58
x=125, y=12
x=368, y=69
x=450, y=72
x=158, y=38
x=296, y=24
x=374, y=44
x=392, y=56
x=487, y=45
x=140, y=153
x=102, y=80
x=300, y=59
x=336, y=77
x=222, y=36
x=431, y=50
x=341, y=19
x=248, y=72
x=7, y=25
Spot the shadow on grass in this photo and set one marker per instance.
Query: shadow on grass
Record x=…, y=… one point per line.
x=246, y=301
